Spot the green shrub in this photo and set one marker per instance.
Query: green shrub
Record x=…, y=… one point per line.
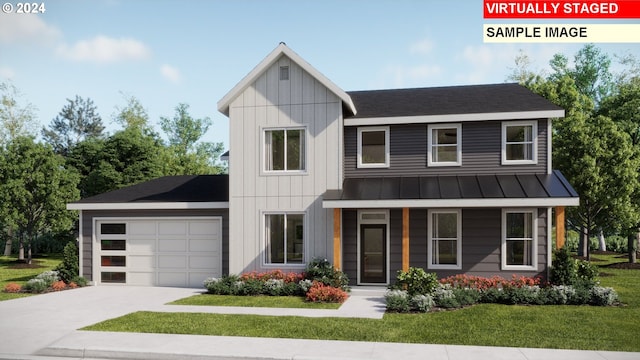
x=321, y=270
x=421, y=303
x=466, y=297
x=529, y=295
x=617, y=243
x=226, y=285
x=69, y=267
x=274, y=287
x=563, y=268
x=493, y=296
x=587, y=273
x=397, y=301
x=416, y=281
x=36, y=285
x=79, y=280
x=603, y=296
x=48, y=277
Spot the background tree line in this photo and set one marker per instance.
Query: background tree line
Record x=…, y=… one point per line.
x=76, y=158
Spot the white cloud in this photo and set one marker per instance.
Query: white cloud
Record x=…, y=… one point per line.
x=103, y=49
x=6, y=72
x=421, y=47
x=27, y=29
x=170, y=73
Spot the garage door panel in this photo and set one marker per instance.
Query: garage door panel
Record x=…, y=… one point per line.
x=203, y=245
x=172, y=262
x=203, y=262
x=142, y=262
x=196, y=279
x=141, y=228
x=172, y=245
x=203, y=228
x=141, y=245
x=172, y=278
x=172, y=228
x=140, y=278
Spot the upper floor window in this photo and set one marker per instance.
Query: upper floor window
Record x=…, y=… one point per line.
x=284, y=149
x=445, y=145
x=519, y=142
x=444, y=247
x=519, y=239
x=373, y=147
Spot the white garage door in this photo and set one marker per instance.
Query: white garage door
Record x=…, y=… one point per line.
x=158, y=252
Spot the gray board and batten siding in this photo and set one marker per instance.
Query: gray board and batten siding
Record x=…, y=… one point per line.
x=481, y=243
x=481, y=152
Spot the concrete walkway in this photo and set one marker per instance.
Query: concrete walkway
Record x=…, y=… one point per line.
x=45, y=327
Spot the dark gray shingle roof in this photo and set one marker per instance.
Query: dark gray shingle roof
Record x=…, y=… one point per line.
x=469, y=99
x=184, y=188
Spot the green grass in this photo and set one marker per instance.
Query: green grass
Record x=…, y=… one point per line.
x=11, y=271
x=253, y=301
x=558, y=327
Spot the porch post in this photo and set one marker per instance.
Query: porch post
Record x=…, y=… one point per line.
x=560, y=231
x=405, y=239
x=337, y=245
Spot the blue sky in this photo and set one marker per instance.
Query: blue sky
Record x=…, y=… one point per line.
x=166, y=52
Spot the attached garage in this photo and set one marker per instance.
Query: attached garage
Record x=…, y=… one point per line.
x=171, y=231
x=178, y=252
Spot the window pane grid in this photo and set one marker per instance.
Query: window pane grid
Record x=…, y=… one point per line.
x=445, y=238
x=444, y=145
x=519, y=142
x=519, y=239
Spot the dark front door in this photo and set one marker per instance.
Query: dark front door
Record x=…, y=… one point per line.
x=373, y=253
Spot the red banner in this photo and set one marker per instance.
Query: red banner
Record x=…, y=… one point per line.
x=589, y=9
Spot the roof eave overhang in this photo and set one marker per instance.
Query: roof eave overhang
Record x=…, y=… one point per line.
x=447, y=118
x=282, y=49
x=149, y=206
x=451, y=203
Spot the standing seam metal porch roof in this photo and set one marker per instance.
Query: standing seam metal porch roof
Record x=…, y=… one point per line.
x=469, y=190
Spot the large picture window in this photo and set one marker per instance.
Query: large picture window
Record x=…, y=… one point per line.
x=284, y=237
x=284, y=149
x=519, y=240
x=445, y=145
x=445, y=239
x=519, y=142
x=373, y=147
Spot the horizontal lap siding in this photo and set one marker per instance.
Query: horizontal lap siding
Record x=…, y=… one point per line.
x=481, y=152
x=89, y=215
x=481, y=243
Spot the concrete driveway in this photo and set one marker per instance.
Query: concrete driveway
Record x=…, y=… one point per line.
x=32, y=323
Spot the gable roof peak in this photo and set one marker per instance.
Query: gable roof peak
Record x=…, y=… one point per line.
x=280, y=50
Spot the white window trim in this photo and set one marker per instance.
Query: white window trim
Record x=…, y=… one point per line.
x=430, y=144
x=430, y=264
x=384, y=221
x=265, y=153
x=305, y=242
x=534, y=242
x=386, y=147
x=534, y=138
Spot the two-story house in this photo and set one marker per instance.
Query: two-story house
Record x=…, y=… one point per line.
x=450, y=179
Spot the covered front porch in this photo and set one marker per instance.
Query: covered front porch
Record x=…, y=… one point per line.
x=384, y=225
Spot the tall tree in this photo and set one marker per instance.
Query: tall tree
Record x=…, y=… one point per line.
x=35, y=187
x=15, y=120
x=78, y=120
x=187, y=154
x=624, y=108
x=129, y=156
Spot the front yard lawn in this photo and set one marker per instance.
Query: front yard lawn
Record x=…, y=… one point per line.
x=254, y=301
x=558, y=327
x=11, y=270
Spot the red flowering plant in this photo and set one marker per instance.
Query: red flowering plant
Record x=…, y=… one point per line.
x=463, y=281
x=320, y=292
